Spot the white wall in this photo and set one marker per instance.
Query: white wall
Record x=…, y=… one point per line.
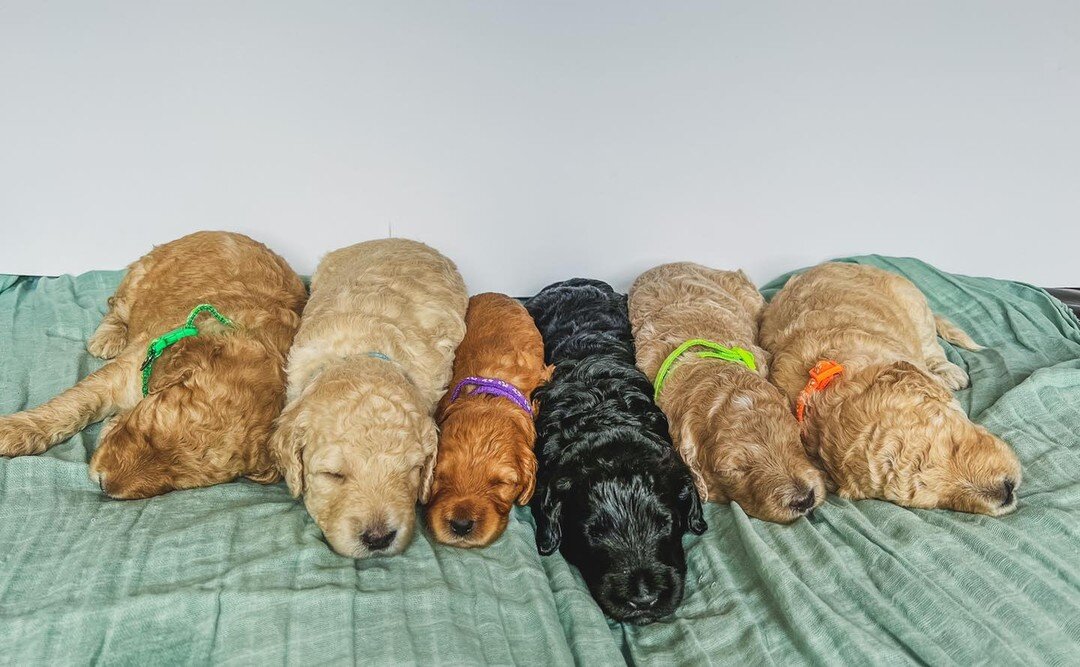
x=534, y=141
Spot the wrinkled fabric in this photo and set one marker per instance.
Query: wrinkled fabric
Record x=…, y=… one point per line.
x=239, y=573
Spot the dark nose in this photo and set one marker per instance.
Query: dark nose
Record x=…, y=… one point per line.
x=377, y=540
x=1008, y=486
x=642, y=594
x=803, y=505
x=462, y=527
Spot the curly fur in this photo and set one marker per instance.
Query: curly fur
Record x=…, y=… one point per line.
x=486, y=461
x=731, y=426
x=612, y=494
x=357, y=438
x=213, y=397
x=888, y=427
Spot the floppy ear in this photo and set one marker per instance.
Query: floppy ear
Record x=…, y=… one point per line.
x=527, y=471
x=429, y=437
x=548, y=529
x=690, y=504
x=287, y=447
x=688, y=452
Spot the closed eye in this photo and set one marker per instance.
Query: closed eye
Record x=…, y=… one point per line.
x=330, y=475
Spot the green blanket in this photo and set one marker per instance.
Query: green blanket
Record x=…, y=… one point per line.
x=239, y=573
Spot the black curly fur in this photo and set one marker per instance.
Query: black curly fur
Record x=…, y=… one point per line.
x=611, y=493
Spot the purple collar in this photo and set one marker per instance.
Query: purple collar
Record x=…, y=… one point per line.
x=495, y=388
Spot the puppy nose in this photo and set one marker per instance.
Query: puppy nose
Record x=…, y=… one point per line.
x=462, y=527
x=644, y=595
x=803, y=505
x=1007, y=487
x=377, y=540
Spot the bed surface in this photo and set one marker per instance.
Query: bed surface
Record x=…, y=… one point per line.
x=238, y=573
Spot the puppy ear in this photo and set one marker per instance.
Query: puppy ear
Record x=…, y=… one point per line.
x=429, y=438
x=690, y=503
x=287, y=447
x=527, y=474
x=688, y=452
x=548, y=528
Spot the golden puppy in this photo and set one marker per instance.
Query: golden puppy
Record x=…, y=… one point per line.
x=371, y=360
x=486, y=433
x=212, y=397
x=732, y=427
x=887, y=425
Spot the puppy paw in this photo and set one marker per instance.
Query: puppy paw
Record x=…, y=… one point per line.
x=108, y=341
x=951, y=375
x=19, y=437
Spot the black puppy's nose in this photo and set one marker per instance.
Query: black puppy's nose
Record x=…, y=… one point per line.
x=377, y=540
x=803, y=505
x=643, y=600
x=1008, y=486
x=462, y=527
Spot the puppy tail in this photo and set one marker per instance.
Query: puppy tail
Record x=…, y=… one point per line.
x=91, y=400
x=955, y=334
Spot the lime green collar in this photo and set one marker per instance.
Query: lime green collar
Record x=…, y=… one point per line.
x=715, y=351
x=162, y=342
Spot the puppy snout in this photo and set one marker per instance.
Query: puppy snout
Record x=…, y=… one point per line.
x=804, y=504
x=643, y=594
x=378, y=539
x=1008, y=496
x=461, y=527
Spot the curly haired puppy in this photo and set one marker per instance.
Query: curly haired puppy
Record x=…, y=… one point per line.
x=612, y=493
x=731, y=426
x=486, y=461
x=212, y=397
x=370, y=362
x=888, y=426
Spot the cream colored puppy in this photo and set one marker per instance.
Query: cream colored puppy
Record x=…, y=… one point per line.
x=732, y=427
x=887, y=426
x=370, y=362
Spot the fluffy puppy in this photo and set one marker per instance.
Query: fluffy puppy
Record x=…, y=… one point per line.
x=370, y=362
x=212, y=397
x=612, y=494
x=887, y=427
x=486, y=462
x=731, y=426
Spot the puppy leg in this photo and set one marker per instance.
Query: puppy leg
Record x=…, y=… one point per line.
x=111, y=336
x=112, y=387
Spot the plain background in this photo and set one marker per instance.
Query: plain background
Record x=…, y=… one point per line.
x=534, y=141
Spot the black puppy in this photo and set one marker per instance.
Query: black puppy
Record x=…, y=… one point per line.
x=610, y=490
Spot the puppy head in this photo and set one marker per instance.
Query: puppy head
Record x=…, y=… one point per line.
x=360, y=449
x=926, y=447
x=749, y=451
x=623, y=530
x=205, y=421
x=984, y=473
x=485, y=464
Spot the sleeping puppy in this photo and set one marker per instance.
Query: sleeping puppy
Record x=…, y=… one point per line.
x=210, y=400
x=731, y=426
x=370, y=362
x=612, y=494
x=486, y=433
x=878, y=411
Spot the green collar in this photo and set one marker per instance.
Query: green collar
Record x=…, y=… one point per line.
x=715, y=351
x=161, y=343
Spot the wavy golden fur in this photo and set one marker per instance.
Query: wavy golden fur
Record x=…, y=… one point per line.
x=486, y=461
x=370, y=362
x=213, y=397
x=888, y=427
x=731, y=426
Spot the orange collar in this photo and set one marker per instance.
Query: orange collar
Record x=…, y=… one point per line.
x=821, y=376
